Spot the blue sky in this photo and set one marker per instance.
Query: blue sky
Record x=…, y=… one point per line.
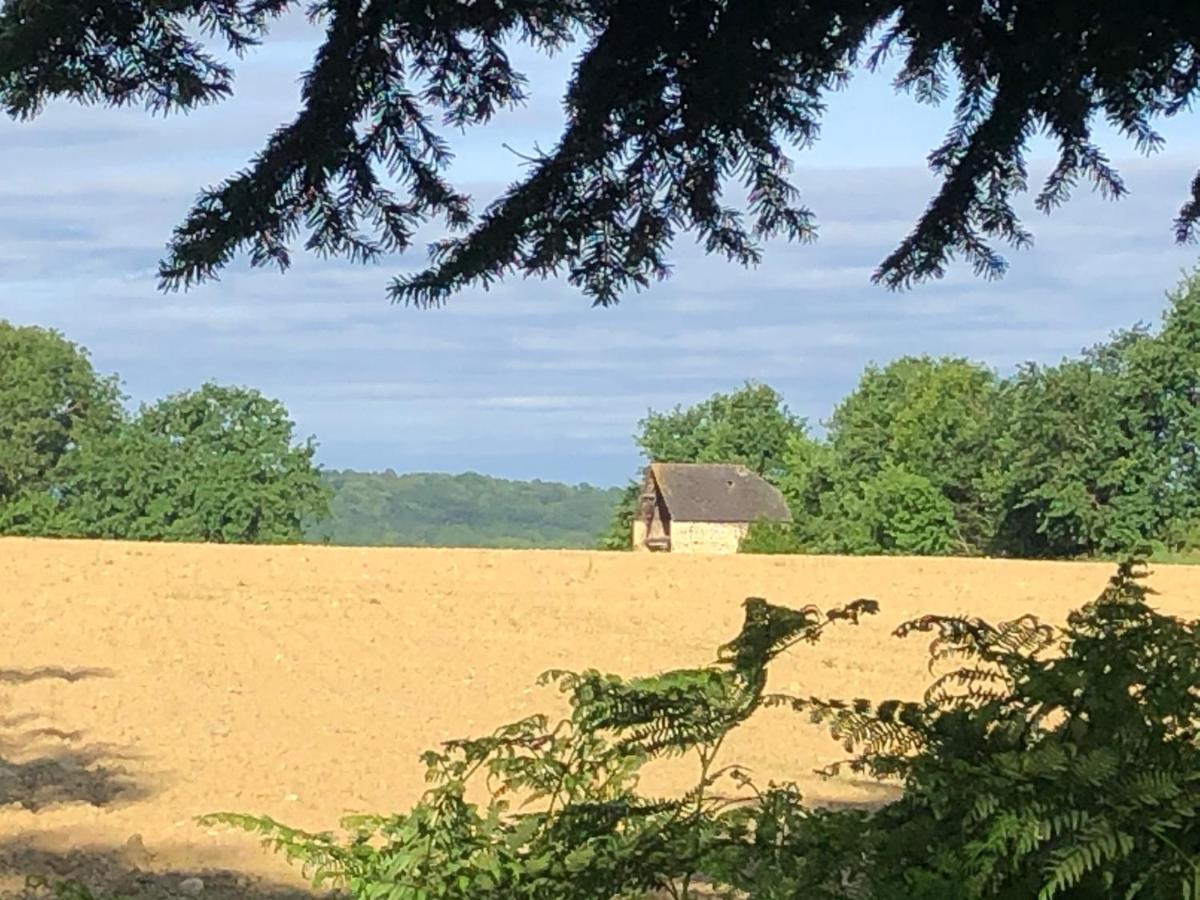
x=528, y=380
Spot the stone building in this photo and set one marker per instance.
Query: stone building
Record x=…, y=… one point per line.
x=702, y=507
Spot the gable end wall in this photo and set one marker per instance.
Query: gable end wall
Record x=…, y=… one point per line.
x=707, y=537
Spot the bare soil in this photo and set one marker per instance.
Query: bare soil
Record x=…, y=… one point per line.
x=142, y=685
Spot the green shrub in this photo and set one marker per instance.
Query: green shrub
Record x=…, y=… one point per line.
x=1044, y=763
x=771, y=537
x=619, y=534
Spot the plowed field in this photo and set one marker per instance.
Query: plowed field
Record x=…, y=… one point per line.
x=141, y=685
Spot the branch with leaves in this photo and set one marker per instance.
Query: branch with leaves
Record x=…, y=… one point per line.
x=668, y=107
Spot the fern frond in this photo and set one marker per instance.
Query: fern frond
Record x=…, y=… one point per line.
x=972, y=685
x=1099, y=844
x=889, y=727
x=769, y=630
x=322, y=858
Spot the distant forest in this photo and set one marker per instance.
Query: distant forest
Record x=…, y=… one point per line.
x=435, y=510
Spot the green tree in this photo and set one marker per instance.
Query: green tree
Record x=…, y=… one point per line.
x=1168, y=373
x=923, y=422
x=52, y=402
x=807, y=483
x=668, y=103
x=750, y=426
x=1081, y=474
x=902, y=513
x=216, y=464
x=619, y=534
x=1101, y=451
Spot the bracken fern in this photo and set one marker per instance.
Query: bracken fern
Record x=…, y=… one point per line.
x=1047, y=763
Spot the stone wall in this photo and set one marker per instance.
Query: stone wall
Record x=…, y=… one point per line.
x=707, y=537
x=639, y=536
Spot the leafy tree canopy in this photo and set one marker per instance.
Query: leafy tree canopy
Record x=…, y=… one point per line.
x=918, y=421
x=1102, y=450
x=750, y=426
x=51, y=401
x=903, y=513
x=217, y=464
x=668, y=104
x=214, y=464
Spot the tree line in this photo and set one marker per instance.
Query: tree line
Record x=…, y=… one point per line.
x=1094, y=456
x=431, y=509
x=218, y=464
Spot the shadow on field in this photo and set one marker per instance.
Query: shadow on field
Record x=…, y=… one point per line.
x=872, y=795
x=127, y=872
x=87, y=774
x=24, y=676
x=47, y=765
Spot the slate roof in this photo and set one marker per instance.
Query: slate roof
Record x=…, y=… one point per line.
x=714, y=492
